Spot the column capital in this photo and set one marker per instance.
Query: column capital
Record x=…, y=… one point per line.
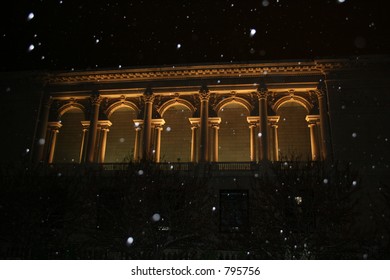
x=158, y=123
x=253, y=120
x=104, y=125
x=215, y=121
x=273, y=120
x=148, y=96
x=85, y=124
x=204, y=94
x=262, y=94
x=312, y=119
x=54, y=126
x=195, y=122
x=96, y=99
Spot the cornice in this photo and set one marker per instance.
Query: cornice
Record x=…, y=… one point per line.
x=227, y=70
x=183, y=72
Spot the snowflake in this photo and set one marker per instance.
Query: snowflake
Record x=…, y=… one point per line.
x=130, y=241
x=30, y=16
x=156, y=217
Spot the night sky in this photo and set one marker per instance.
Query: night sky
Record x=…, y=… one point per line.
x=74, y=35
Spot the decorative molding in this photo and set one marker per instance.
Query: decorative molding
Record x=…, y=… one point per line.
x=171, y=102
x=294, y=98
x=122, y=103
x=204, y=94
x=96, y=99
x=236, y=99
x=69, y=106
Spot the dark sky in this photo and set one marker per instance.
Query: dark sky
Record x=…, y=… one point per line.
x=80, y=34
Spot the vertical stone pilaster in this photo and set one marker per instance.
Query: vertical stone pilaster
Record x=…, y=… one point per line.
x=194, y=133
x=215, y=122
x=253, y=122
x=93, y=128
x=148, y=98
x=325, y=129
x=263, y=129
x=39, y=144
x=53, y=127
x=85, y=125
x=204, y=96
x=158, y=126
x=138, y=128
x=312, y=124
x=273, y=122
x=104, y=129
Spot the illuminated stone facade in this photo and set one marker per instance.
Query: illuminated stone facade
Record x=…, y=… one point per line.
x=294, y=110
x=237, y=112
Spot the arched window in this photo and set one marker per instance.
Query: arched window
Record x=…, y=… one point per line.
x=69, y=137
x=121, y=137
x=234, y=133
x=176, y=136
x=294, y=135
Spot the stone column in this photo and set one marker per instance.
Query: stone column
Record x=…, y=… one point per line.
x=104, y=125
x=158, y=125
x=194, y=128
x=136, y=143
x=324, y=118
x=252, y=121
x=53, y=127
x=315, y=155
x=204, y=96
x=214, y=123
x=273, y=121
x=91, y=147
x=85, y=125
x=42, y=130
x=158, y=142
x=148, y=98
x=263, y=133
x=216, y=146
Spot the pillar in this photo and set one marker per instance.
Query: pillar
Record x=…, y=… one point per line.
x=312, y=120
x=42, y=130
x=273, y=122
x=263, y=133
x=194, y=133
x=276, y=141
x=136, y=143
x=324, y=119
x=85, y=125
x=158, y=142
x=204, y=96
x=53, y=127
x=252, y=141
x=148, y=98
x=91, y=147
x=215, y=127
x=104, y=128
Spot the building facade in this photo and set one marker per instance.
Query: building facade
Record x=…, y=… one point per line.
x=212, y=113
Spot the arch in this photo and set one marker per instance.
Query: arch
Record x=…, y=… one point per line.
x=293, y=98
x=233, y=144
x=69, y=106
x=121, y=135
x=70, y=136
x=121, y=104
x=293, y=132
x=164, y=107
x=233, y=99
x=176, y=136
